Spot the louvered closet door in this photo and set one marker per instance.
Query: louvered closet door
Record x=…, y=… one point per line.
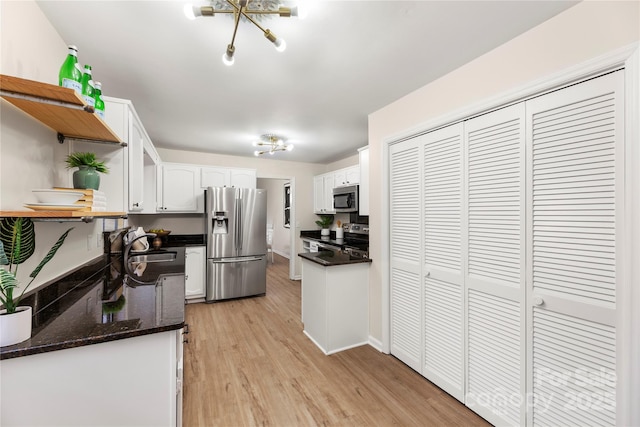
x=442, y=273
x=495, y=265
x=576, y=165
x=405, y=190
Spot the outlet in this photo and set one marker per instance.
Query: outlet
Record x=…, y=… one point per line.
x=89, y=242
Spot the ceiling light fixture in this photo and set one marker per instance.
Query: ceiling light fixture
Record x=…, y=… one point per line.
x=251, y=10
x=272, y=143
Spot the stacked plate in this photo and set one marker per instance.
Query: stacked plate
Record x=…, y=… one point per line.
x=56, y=200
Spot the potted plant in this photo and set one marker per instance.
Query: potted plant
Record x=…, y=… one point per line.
x=325, y=222
x=17, y=244
x=88, y=167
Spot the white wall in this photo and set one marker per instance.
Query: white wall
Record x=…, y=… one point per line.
x=583, y=32
x=275, y=214
x=301, y=175
x=30, y=156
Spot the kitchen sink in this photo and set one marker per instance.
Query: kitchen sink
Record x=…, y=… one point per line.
x=153, y=257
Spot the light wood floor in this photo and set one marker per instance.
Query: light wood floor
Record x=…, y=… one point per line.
x=248, y=363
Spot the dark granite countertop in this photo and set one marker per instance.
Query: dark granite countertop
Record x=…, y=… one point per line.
x=100, y=302
x=331, y=258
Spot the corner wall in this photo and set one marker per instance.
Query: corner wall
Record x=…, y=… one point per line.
x=583, y=32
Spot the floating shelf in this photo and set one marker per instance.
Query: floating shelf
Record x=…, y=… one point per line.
x=61, y=215
x=57, y=107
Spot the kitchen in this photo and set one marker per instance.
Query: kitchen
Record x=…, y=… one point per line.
x=30, y=35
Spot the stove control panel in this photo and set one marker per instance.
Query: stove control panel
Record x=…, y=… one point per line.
x=356, y=228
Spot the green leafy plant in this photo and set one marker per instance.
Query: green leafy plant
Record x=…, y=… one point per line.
x=325, y=221
x=17, y=244
x=78, y=159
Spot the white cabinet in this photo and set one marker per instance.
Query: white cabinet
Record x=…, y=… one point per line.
x=179, y=188
x=363, y=197
x=227, y=177
x=346, y=176
x=323, y=194
x=132, y=381
x=335, y=305
x=122, y=118
x=194, y=272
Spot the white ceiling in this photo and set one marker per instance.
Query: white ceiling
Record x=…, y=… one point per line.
x=345, y=60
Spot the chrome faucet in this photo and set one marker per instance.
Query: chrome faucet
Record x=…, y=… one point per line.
x=128, y=246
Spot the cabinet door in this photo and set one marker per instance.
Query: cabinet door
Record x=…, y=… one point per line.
x=135, y=149
x=495, y=264
x=243, y=178
x=194, y=272
x=576, y=187
x=328, y=193
x=340, y=178
x=215, y=177
x=406, y=299
x=352, y=175
x=180, y=189
x=318, y=194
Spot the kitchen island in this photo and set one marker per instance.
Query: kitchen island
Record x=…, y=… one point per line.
x=105, y=349
x=335, y=300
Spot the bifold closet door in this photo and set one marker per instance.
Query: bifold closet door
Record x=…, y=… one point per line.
x=405, y=209
x=443, y=277
x=495, y=265
x=576, y=166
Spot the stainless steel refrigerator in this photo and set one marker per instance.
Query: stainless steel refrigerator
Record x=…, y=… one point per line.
x=236, y=227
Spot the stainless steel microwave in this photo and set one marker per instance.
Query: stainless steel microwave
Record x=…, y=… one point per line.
x=345, y=199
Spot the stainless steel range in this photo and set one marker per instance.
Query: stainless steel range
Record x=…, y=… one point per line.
x=356, y=240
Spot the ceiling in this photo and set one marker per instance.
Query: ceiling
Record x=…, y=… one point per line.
x=346, y=60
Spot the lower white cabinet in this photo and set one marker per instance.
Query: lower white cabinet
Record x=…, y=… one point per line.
x=335, y=305
x=194, y=272
x=132, y=381
x=179, y=188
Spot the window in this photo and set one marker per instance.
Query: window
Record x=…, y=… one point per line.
x=287, y=205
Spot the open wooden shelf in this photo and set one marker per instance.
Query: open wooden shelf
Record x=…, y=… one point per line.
x=57, y=107
x=62, y=215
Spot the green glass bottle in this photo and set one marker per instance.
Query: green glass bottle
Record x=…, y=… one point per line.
x=99, y=101
x=70, y=74
x=88, y=88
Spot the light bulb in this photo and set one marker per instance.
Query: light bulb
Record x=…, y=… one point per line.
x=280, y=44
x=227, y=58
x=255, y=143
x=279, y=142
x=271, y=153
x=191, y=11
x=289, y=147
x=256, y=153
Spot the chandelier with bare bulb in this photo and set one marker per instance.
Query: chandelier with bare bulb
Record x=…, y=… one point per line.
x=271, y=143
x=247, y=10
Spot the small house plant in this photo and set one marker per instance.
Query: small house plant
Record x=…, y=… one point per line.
x=325, y=222
x=88, y=167
x=17, y=244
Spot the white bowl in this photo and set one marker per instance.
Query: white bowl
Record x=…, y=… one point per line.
x=57, y=197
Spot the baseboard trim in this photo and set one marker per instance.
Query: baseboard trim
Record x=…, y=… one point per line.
x=375, y=343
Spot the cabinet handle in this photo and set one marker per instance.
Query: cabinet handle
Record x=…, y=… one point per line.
x=186, y=328
x=428, y=274
x=186, y=277
x=538, y=301
x=136, y=204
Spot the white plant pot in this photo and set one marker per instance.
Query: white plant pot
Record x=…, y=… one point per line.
x=15, y=327
x=324, y=232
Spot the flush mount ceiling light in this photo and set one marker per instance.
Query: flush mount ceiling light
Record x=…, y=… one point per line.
x=272, y=143
x=248, y=10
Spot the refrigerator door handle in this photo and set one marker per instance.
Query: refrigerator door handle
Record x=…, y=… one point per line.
x=234, y=260
x=240, y=230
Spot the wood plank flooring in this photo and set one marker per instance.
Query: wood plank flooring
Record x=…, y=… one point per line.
x=248, y=363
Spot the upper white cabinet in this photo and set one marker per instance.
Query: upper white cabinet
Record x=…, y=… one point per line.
x=227, y=177
x=323, y=194
x=122, y=118
x=179, y=188
x=363, y=198
x=346, y=176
